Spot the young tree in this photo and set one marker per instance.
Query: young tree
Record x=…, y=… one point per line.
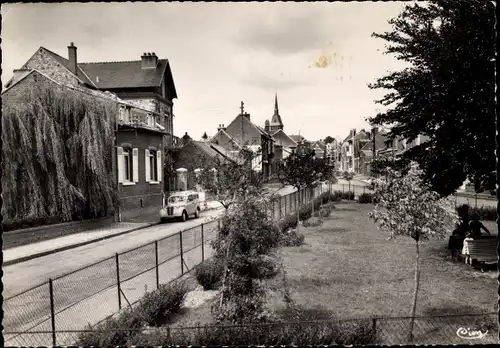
x=301, y=171
x=447, y=92
x=227, y=176
x=408, y=207
x=246, y=243
x=348, y=176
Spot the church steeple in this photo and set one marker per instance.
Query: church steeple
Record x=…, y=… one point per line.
x=276, y=123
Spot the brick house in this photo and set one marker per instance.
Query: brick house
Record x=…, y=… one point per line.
x=244, y=132
x=144, y=122
x=146, y=83
x=194, y=155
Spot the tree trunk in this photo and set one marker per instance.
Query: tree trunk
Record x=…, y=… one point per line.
x=298, y=209
x=415, y=295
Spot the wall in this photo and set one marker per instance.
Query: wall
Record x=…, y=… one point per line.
x=45, y=63
x=251, y=136
x=150, y=194
x=190, y=157
x=16, y=95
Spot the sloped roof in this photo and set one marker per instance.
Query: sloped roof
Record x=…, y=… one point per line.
x=125, y=74
x=367, y=153
x=214, y=150
x=297, y=138
x=320, y=144
x=281, y=131
x=65, y=62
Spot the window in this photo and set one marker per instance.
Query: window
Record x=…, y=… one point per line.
x=128, y=162
x=153, y=166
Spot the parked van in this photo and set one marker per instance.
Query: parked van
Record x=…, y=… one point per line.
x=181, y=205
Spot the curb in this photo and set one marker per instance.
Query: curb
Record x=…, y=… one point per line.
x=72, y=246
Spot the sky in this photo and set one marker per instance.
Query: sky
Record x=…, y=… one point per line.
x=318, y=57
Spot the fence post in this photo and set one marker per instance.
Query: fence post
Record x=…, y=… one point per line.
x=374, y=327
x=342, y=189
x=202, y=243
x=182, y=253
x=279, y=208
x=118, y=282
x=157, y=266
x=476, y=200
x=285, y=203
x=52, y=312
x=364, y=188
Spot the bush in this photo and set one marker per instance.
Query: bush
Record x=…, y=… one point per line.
x=292, y=238
x=326, y=210
x=313, y=222
x=158, y=306
x=111, y=332
x=365, y=198
x=153, y=309
x=319, y=333
x=209, y=274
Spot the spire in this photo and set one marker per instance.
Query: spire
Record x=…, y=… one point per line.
x=276, y=122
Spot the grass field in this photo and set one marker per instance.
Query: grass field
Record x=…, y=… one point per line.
x=348, y=269
x=347, y=266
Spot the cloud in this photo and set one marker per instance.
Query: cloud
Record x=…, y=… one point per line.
x=284, y=30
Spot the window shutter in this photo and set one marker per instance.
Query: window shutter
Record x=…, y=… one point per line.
x=135, y=165
x=148, y=167
x=121, y=164
x=159, y=165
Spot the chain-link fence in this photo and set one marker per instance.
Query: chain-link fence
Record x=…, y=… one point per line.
x=472, y=329
x=97, y=291
x=41, y=315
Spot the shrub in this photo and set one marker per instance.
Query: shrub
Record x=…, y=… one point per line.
x=153, y=309
x=365, y=198
x=319, y=333
x=111, y=332
x=326, y=210
x=209, y=274
x=292, y=238
x=313, y=222
x=158, y=306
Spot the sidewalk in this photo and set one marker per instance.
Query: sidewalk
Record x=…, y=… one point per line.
x=31, y=251
x=87, y=233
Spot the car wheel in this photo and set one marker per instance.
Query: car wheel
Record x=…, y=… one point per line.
x=184, y=216
x=197, y=213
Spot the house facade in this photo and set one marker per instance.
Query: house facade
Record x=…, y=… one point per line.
x=243, y=132
x=144, y=123
x=146, y=83
x=138, y=161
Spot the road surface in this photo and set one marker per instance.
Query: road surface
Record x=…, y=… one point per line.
x=90, y=294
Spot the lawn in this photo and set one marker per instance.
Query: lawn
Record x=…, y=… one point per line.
x=347, y=266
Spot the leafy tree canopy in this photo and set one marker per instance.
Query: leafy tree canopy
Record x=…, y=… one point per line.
x=329, y=140
x=304, y=171
x=447, y=92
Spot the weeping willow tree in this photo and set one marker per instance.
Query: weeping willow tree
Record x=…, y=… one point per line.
x=57, y=151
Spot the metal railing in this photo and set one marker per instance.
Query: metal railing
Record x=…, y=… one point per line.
x=97, y=291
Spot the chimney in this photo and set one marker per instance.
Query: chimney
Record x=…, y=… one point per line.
x=72, y=58
x=267, y=126
x=247, y=115
x=149, y=61
x=221, y=127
